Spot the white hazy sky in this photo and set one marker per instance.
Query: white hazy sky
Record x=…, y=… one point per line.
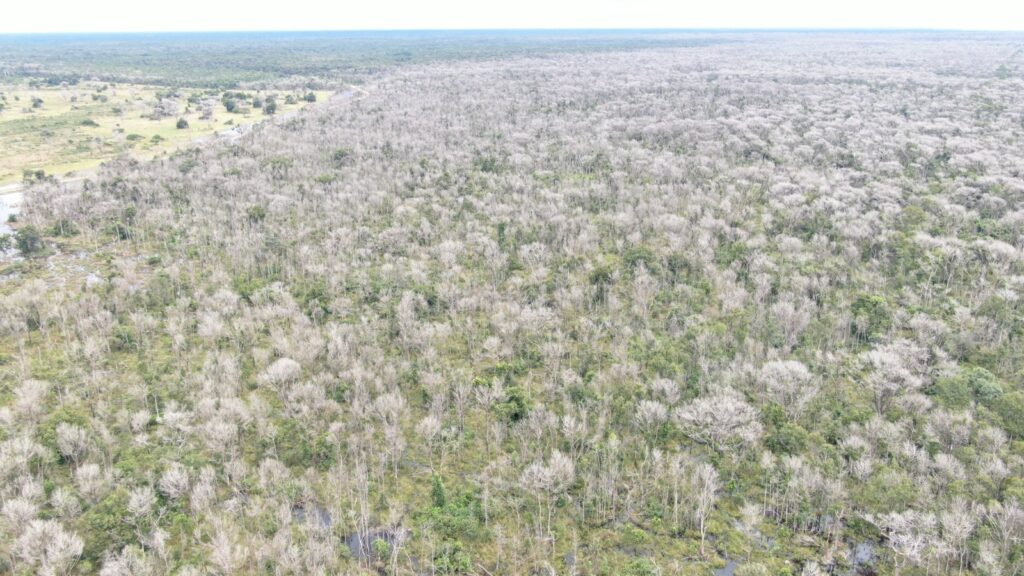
x=192, y=15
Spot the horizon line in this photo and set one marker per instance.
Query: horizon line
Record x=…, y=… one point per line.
x=740, y=29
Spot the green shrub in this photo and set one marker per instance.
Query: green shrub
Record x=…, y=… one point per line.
x=871, y=316
x=515, y=406
x=297, y=448
x=642, y=567
x=29, y=241
x=451, y=558
x=106, y=526
x=1011, y=409
x=789, y=438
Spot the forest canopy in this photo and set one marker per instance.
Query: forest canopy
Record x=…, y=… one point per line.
x=746, y=307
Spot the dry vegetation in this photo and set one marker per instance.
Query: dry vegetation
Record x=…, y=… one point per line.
x=618, y=313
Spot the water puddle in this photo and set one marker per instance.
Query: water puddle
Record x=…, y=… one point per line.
x=313, y=514
x=728, y=570
x=361, y=544
x=10, y=205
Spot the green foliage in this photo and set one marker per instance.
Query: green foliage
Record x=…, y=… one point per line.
x=729, y=252
x=68, y=414
x=64, y=228
x=601, y=275
x=790, y=438
x=297, y=447
x=871, y=316
x=1011, y=409
x=187, y=165
x=456, y=516
x=29, y=241
x=256, y=214
x=972, y=384
x=886, y=490
x=452, y=558
x=340, y=155
x=983, y=384
x=952, y=392
x=642, y=567
x=437, y=492
x=247, y=286
x=754, y=569
x=488, y=164
x=313, y=296
x=634, y=256
x=106, y=526
x=515, y=406
x=381, y=548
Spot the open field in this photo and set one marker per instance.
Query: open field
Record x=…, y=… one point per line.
x=61, y=129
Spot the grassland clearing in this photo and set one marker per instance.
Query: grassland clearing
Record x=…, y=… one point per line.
x=61, y=129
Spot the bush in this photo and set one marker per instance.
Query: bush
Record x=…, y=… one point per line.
x=515, y=406
x=450, y=558
x=885, y=491
x=64, y=228
x=642, y=567
x=1011, y=409
x=256, y=214
x=340, y=155
x=983, y=384
x=787, y=439
x=381, y=548
x=29, y=241
x=298, y=449
x=107, y=526
x=973, y=384
x=182, y=124
x=871, y=316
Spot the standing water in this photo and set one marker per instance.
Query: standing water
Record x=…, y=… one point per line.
x=10, y=205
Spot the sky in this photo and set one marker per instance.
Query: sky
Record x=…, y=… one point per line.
x=23, y=16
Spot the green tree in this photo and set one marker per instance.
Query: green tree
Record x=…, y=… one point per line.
x=29, y=241
x=1011, y=409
